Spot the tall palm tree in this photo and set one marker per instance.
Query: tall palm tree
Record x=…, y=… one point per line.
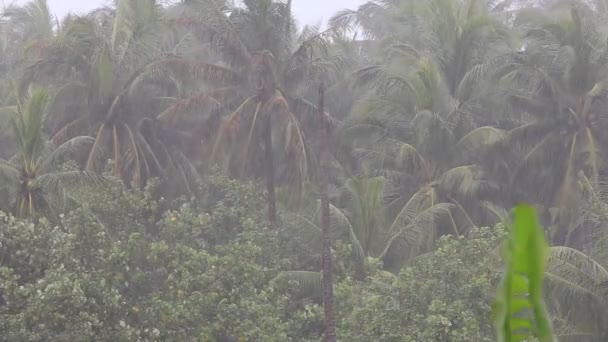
x=360, y=216
x=31, y=23
x=558, y=82
x=32, y=180
x=426, y=164
x=576, y=281
x=422, y=122
x=453, y=39
x=326, y=259
x=23, y=30
x=576, y=294
x=110, y=70
x=268, y=111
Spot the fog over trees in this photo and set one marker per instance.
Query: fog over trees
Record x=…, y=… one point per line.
x=204, y=171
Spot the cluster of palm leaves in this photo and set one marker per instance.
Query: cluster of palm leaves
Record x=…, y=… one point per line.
x=444, y=113
x=164, y=90
x=470, y=107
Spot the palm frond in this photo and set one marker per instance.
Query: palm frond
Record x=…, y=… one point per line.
x=339, y=220
x=311, y=283
x=477, y=140
x=419, y=232
x=98, y=150
x=466, y=181
x=183, y=70
x=65, y=152
x=60, y=181
x=569, y=266
x=75, y=128
x=202, y=103
x=8, y=172
x=222, y=37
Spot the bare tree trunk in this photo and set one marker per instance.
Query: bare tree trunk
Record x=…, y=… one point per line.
x=271, y=199
x=326, y=257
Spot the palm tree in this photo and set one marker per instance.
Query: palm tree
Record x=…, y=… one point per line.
x=423, y=122
x=576, y=280
x=270, y=108
x=558, y=82
x=32, y=180
x=23, y=30
x=31, y=23
x=576, y=294
x=111, y=71
x=452, y=40
x=326, y=259
x=360, y=216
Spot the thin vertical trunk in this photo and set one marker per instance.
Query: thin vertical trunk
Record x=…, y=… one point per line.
x=326, y=257
x=271, y=199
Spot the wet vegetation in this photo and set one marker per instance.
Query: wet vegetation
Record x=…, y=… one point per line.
x=204, y=171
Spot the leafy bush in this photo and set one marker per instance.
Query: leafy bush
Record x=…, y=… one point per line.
x=445, y=295
x=110, y=271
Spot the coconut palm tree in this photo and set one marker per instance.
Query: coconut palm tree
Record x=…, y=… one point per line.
x=110, y=71
x=32, y=180
x=424, y=119
x=426, y=164
x=360, y=216
x=454, y=40
x=558, y=82
x=576, y=295
x=264, y=132
x=326, y=259
x=31, y=23
x=23, y=30
x=576, y=281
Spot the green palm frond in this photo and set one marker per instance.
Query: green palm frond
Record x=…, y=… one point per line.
x=201, y=102
x=98, y=151
x=576, y=283
x=186, y=171
x=65, y=152
x=33, y=21
x=466, y=181
x=59, y=181
x=367, y=18
x=573, y=273
x=417, y=231
x=8, y=172
x=181, y=69
x=62, y=104
x=27, y=128
x=77, y=127
x=477, y=140
x=499, y=214
x=220, y=33
x=339, y=220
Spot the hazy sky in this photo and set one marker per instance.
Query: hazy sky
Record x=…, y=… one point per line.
x=307, y=11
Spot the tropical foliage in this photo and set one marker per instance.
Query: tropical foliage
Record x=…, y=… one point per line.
x=137, y=138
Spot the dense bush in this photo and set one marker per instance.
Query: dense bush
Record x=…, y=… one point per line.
x=110, y=272
x=123, y=266
x=442, y=296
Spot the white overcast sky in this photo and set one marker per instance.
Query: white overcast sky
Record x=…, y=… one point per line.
x=307, y=11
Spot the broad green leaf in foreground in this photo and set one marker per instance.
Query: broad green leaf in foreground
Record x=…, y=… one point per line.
x=520, y=314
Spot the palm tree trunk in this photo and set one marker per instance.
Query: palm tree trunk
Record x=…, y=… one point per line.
x=271, y=199
x=326, y=257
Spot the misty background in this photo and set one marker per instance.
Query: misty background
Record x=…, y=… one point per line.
x=300, y=170
x=308, y=12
